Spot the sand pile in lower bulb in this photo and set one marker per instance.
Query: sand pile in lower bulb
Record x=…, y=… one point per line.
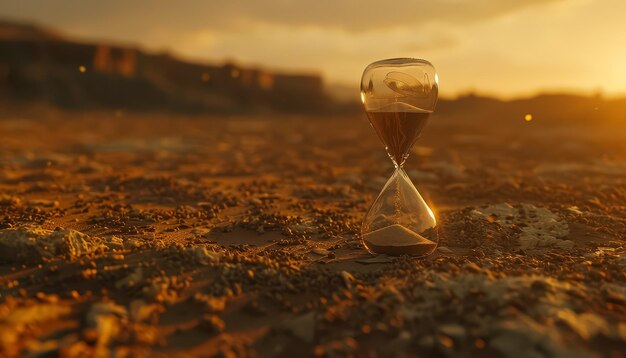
x=398, y=240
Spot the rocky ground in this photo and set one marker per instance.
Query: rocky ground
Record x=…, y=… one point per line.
x=153, y=235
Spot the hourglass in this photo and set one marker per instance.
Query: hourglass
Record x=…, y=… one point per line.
x=399, y=95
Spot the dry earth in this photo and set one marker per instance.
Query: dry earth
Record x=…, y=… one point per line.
x=141, y=235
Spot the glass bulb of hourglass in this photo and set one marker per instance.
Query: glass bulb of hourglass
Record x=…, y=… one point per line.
x=399, y=95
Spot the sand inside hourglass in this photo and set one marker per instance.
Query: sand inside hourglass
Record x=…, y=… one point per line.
x=398, y=125
x=398, y=240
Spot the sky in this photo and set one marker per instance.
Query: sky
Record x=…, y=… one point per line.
x=497, y=47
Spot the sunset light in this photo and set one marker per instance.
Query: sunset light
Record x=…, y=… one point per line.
x=306, y=178
x=484, y=39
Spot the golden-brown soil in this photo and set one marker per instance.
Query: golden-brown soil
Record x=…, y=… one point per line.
x=155, y=235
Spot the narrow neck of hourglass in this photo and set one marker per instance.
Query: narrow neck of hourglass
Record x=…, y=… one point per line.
x=399, y=164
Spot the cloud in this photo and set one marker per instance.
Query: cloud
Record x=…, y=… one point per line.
x=336, y=53
x=248, y=29
x=359, y=15
x=500, y=46
x=270, y=31
x=184, y=15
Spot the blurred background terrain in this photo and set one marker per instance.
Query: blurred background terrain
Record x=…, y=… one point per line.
x=40, y=66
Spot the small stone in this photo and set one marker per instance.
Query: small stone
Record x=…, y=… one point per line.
x=211, y=303
x=103, y=322
x=454, y=331
x=472, y=267
x=347, y=278
x=43, y=203
x=200, y=231
x=133, y=243
x=140, y=311
x=574, y=210
x=303, y=229
x=213, y=323
x=203, y=256
x=255, y=202
x=319, y=251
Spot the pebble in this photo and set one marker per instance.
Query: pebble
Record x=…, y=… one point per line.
x=347, y=277
x=320, y=251
x=454, y=331
x=212, y=323
x=203, y=256
x=43, y=203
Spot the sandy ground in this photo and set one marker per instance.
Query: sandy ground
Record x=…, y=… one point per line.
x=168, y=236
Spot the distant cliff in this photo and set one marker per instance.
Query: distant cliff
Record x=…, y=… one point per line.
x=37, y=64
